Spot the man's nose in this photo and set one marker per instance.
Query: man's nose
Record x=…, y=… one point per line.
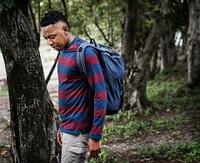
x=50, y=42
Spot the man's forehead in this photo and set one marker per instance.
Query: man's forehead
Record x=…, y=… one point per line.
x=46, y=31
x=52, y=28
x=48, y=27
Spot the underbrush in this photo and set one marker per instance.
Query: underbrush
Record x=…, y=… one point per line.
x=167, y=131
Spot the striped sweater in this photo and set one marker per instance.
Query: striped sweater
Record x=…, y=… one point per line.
x=75, y=115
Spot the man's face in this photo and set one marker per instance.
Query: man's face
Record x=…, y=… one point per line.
x=56, y=35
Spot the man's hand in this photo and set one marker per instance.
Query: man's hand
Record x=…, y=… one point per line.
x=94, y=147
x=59, y=137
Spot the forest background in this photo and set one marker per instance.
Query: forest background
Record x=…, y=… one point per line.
x=159, y=41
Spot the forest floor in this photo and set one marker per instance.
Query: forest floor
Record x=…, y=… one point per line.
x=120, y=148
x=169, y=134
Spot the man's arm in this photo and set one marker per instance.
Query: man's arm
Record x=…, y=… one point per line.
x=96, y=81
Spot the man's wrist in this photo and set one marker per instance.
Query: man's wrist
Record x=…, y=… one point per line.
x=95, y=137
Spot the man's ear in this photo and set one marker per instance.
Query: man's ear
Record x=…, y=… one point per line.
x=65, y=28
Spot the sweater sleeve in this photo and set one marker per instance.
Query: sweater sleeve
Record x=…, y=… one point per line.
x=96, y=81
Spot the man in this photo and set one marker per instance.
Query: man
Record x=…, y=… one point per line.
x=81, y=127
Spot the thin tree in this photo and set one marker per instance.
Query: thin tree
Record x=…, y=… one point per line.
x=65, y=7
x=193, y=44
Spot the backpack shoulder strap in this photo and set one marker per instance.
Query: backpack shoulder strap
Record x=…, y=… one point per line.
x=80, y=56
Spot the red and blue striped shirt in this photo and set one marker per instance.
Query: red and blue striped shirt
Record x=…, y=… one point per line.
x=75, y=115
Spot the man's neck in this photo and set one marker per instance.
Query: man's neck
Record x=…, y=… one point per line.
x=71, y=38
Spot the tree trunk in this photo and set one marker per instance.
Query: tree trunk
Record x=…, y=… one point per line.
x=128, y=50
x=50, y=6
x=130, y=29
x=168, y=53
x=193, y=44
x=155, y=64
x=167, y=44
x=138, y=65
x=136, y=91
x=33, y=20
x=110, y=25
x=39, y=18
x=65, y=7
x=32, y=116
x=183, y=49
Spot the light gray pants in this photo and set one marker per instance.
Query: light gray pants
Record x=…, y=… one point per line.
x=74, y=148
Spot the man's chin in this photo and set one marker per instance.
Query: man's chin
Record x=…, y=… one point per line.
x=57, y=49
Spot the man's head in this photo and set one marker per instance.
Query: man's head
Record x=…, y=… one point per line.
x=56, y=30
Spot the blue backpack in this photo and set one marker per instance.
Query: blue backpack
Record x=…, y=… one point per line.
x=113, y=69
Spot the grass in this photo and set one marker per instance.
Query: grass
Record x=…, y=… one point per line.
x=168, y=130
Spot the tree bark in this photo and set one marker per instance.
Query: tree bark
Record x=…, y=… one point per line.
x=128, y=50
x=167, y=44
x=130, y=29
x=136, y=91
x=167, y=54
x=65, y=7
x=50, y=6
x=154, y=64
x=39, y=18
x=32, y=116
x=33, y=20
x=193, y=44
x=183, y=49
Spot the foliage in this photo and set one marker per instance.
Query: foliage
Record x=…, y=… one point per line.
x=6, y=5
x=101, y=20
x=1, y=50
x=148, y=12
x=190, y=151
x=104, y=19
x=179, y=13
x=104, y=156
x=44, y=4
x=146, y=18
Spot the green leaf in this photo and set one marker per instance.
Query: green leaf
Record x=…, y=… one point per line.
x=6, y=5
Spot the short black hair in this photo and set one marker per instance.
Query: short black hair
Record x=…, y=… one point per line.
x=53, y=17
